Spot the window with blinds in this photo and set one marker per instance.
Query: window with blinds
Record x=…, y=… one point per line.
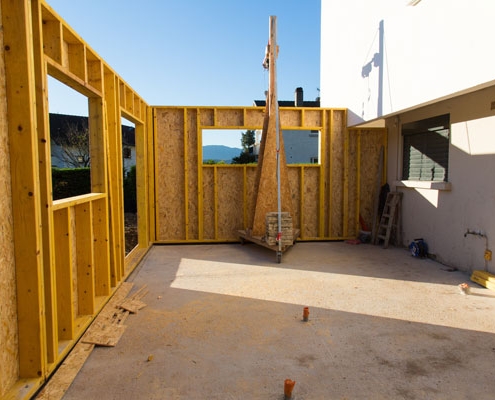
x=426, y=149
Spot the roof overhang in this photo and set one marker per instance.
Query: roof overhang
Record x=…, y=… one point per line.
x=380, y=121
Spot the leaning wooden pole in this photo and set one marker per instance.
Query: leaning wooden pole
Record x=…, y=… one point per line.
x=272, y=221
x=272, y=166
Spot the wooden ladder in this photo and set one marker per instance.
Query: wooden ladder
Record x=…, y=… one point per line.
x=390, y=219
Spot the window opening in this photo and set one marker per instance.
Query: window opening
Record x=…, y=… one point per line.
x=426, y=149
x=69, y=140
x=129, y=183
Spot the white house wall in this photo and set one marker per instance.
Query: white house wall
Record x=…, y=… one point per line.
x=433, y=49
x=442, y=217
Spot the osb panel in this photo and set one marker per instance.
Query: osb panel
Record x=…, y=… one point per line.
x=310, y=203
x=230, y=205
x=254, y=117
x=236, y=203
x=192, y=173
x=208, y=203
x=169, y=172
x=353, y=183
x=290, y=117
x=250, y=194
x=312, y=118
x=206, y=116
x=371, y=141
x=9, y=369
x=294, y=182
x=230, y=117
x=337, y=163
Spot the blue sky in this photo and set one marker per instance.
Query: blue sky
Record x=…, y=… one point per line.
x=197, y=52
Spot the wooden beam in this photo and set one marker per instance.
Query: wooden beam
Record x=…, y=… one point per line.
x=21, y=100
x=67, y=77
x=151, y=128
x=74, y=201
x=97, y=142
x=45, y=170
x=142, y=183
x=114, y=152
x=267, y=190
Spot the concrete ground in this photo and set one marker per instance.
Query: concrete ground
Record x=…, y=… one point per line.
x=225, y=322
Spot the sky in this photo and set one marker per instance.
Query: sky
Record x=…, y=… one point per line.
x=198, y=52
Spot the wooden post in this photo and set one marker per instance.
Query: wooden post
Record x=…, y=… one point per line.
x=21, y=100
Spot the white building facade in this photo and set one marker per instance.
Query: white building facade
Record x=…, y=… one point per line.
x=431, y=82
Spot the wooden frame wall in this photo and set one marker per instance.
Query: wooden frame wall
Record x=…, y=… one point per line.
x=62, y=260
x=210, y=203
x=69, y=254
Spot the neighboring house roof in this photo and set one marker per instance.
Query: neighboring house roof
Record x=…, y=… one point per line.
x=289, y=103
x=297, y=102
x=59, y=122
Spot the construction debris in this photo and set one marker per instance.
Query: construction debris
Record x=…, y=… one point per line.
x=108, y=327
x=106, y=330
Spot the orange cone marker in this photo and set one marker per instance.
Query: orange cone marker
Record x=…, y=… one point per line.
x=288, y=386
x=305, y=313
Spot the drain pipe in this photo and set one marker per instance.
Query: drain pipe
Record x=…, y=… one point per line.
x=488, y=254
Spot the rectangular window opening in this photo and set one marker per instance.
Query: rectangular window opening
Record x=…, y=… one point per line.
x=426, y=149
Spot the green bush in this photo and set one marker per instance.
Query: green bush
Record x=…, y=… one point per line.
x=69, y=182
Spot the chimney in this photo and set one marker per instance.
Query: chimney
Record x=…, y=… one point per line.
x=299, y=97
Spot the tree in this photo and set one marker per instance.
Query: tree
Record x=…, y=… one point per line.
x=248, y=140
x=74, y=145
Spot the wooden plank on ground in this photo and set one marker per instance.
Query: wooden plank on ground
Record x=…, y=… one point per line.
x=104, y=333
x=132, y=305
x=63, y=378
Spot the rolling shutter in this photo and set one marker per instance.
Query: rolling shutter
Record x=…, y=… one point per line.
x=426, y=149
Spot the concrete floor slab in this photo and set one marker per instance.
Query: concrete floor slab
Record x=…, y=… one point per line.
x=225, y=322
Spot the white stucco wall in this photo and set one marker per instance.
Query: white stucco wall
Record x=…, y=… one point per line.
x=442, y=217
x=432, y=49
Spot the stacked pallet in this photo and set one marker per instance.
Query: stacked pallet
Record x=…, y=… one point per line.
x=287, y=237
x=484, y=278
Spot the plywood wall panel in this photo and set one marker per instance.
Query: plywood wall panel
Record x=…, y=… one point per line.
x=292, y=118
x=337, y=175
x=227, y=117
x=209, y=202
x=230, y=202
x=207, y=116
x=250, y=194
x=352, y=192
x=294, y=174
x=254, y=117
x=310, y=203
x=191, y=143
x=371, y=141
x=170, y=174
x=313, y=118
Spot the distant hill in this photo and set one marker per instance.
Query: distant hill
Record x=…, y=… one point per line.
x=220, y=153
